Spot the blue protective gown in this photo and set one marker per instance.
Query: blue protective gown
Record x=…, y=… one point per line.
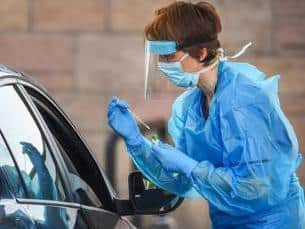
x=247, y=152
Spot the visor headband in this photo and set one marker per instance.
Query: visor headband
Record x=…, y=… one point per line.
x=168, y=47
x=161, y=47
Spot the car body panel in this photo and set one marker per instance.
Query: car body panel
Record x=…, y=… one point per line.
x=51, y=214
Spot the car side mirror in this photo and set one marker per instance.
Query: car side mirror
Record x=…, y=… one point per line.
x=147, y=198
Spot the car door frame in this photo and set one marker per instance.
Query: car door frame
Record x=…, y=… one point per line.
x=28, y=82
x=110, y=192
x=12, y=80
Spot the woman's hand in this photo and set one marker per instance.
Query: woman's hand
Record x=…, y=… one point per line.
x=122, y=122
x=172, y=159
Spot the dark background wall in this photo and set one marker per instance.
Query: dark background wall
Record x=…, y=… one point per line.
x=85, y=51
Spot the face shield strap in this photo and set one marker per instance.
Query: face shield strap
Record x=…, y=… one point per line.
x=192, y=43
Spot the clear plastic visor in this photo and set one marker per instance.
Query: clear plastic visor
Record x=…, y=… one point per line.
x=156, y=84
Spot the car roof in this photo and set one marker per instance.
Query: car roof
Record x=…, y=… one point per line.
x=8, y=71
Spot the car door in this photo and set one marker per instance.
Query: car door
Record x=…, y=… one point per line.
x=45, y=197
x=88, y=184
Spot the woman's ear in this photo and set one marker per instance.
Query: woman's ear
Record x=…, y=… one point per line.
x=203, y=54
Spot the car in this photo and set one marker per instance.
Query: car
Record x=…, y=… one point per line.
x=49, y=176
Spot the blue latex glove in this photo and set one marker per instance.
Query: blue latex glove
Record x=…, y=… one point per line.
x=172, y=159
x=122, y=122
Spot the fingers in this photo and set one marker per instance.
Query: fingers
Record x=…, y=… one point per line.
x=112, y=103
x=122, y=104
x=111, y=116
x=161, y=146
x=26, y=145
x=111, y=109
x=117, y=103
x=154, y=148
x=157, y=147
x=114, y=109
x=161, y=149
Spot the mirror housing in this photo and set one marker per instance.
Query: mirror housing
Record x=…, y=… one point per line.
x=147, y=199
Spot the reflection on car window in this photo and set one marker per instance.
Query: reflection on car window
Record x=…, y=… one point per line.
x=81, y=190
x=84, y=175
x=10, y=180
x=31, y=153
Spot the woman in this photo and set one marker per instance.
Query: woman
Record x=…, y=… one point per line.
x=233, y=144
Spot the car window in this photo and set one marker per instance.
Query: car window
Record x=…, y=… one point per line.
x=10, y=181
x=82, y=192
x=84, y=176
x=32, y=154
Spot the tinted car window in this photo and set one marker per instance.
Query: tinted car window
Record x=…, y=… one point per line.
x=82, y=192
x=9, y=177
x=75, y=153
x=32, y=154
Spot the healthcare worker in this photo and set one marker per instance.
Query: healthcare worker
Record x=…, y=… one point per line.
x=234, y=145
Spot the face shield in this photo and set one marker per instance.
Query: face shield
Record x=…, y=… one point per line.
x=156, y=84
x=164, y=64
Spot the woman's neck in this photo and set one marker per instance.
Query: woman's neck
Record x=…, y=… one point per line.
x=207, y=82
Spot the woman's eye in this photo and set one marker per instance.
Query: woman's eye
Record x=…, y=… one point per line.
x=167, y=58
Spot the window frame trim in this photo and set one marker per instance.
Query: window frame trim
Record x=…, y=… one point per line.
x=19, y=83
x=111, y=195
x=53, y=203
x=8, y=80
x=80, y=207
x=58, y=165
x=59, y=151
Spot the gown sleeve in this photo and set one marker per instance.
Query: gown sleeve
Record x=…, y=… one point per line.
x=154, y=171
x=260, y=155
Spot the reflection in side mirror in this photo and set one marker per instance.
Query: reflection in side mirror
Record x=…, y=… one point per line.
x=147, y=198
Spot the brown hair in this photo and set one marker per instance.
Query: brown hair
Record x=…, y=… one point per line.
x=192, y=26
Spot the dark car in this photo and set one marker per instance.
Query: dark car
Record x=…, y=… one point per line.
x=49, y=178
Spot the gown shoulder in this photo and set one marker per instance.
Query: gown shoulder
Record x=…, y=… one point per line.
x=248, y=86
x=184, y=101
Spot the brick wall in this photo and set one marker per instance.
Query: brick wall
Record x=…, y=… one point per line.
x=86, y=51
